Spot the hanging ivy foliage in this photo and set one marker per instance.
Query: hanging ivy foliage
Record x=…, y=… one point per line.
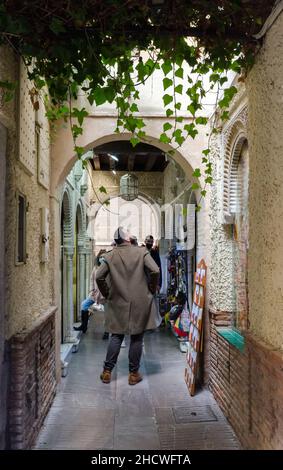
x=107, y=48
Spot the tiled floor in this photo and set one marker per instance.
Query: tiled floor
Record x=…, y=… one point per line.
x=158, y=413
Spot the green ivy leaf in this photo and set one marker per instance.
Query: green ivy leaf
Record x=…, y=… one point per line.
x=179, y=73
x=134, y=108
x=201, y=120
x=191, y=130
x=79, y=114
x=140, y=123
x=178, y=106
x=99, y=96
x=79, y=151
x=141, y=134
x=179, y=60
x=229, y=93
x=169, y=112
x=195, y=186
x=167, y=126
x=134, y=141
x=178, y=136
x=214, y=77
x=167, y=99
x=164, y=138
x=208, y=180
x=150, y=65
x=223, y=80
x=76, y=131
x=109, y=93
x=203, y=192
x=197, y=173
x=225, y=116
x=167, y=82
x=192, y=109
x=166, y=67
x=179, y=89
x=206, y=152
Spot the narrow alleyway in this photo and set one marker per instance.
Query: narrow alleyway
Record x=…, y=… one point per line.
x=158, y=413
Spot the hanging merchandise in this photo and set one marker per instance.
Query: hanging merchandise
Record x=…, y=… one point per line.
x=177, y=270
x=178, y=315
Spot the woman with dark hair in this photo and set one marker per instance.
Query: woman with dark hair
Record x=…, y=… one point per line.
x=94, y=296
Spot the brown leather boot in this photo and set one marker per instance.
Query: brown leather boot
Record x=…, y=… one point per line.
x=134, y=378
x=106, y=376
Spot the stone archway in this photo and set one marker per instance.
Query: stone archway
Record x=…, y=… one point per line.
x=63, y=157
x=99, y=131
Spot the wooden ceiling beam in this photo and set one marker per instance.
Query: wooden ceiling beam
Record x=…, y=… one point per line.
x=150, y=161
x=112, y=164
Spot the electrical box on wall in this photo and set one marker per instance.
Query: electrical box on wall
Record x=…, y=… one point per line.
x=44, y=234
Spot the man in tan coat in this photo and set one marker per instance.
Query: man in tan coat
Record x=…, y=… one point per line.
x=130, y=308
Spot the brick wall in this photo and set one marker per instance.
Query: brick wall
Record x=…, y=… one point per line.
x=249, y=388
x=32, y=380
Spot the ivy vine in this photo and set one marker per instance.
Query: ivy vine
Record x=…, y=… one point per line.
x=108, y=49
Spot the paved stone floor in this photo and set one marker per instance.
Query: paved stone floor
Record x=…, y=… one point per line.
x=158, y=413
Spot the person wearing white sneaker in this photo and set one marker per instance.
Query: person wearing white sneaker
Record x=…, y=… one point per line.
x=94, y=299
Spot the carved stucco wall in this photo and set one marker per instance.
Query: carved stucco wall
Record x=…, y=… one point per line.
x=223, y=247
x=175, y=181
x=150, y=183
x=265, y=93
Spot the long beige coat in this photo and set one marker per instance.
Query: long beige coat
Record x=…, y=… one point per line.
x=121, y=278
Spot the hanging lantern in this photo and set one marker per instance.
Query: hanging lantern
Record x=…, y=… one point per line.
x=129, y=187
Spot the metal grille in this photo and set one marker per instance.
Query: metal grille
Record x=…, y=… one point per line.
x=193, y=414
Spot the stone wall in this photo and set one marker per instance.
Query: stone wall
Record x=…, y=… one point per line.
x=28, y=285
x=264, y=87
x=26, y=303
x=248, y=387
x=3, y=362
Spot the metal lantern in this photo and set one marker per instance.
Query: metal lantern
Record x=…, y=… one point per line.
x=129, y=187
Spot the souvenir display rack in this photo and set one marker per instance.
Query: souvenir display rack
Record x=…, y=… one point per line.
x=195, y=337
x=178, y=272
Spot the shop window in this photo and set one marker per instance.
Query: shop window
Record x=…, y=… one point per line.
x=21, y=229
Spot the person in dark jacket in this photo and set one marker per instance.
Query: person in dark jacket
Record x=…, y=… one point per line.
x=149, y=241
